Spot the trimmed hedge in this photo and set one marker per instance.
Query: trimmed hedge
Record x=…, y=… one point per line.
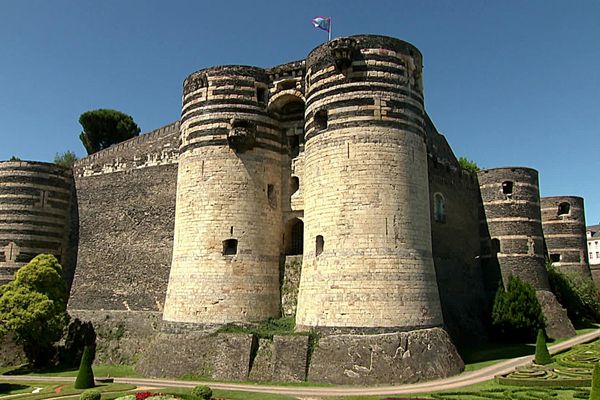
x=85, y=376
x=202, y=392
x=90, y=395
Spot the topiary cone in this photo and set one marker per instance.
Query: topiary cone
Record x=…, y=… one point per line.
x=85, y=376
x=542, y=355
x=595, y=392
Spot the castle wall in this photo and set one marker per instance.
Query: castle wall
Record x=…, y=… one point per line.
x=455, y=239
x=123, y=224
x=564, y=232
x=228, y=230
x=367, y=244
x=34, y=213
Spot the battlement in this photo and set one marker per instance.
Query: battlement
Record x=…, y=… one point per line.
x=158, y=147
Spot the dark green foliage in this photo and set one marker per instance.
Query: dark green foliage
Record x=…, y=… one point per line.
x=516, y=315
x=577, y=294
x=14, y=158
x=90, y=395
x=595, y=392
x=468, y=164
x=102, y=128
x=34, y=307
x=85, y=376
x=66, y=159
x=202, y=392
x=542, y=355
x=79, y=335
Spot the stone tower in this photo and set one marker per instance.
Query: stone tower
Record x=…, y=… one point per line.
x=514, y=237
x=563, y=220
x=367, y=241
x=228, y=216
x=34, y=213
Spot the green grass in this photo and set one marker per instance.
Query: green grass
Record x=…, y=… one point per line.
x=100, y=371
x=49, y=389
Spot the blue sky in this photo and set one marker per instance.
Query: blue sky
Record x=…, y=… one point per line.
x=508, y=82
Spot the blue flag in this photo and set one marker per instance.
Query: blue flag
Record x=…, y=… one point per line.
x=322, y=23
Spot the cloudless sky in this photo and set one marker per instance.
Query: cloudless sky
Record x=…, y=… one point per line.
x=509, y=83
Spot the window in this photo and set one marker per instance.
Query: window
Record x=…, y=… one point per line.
x=496, y=246
x=295, y=184
x=321, y=119
x=287, y=85
x=230, y=247
x=598, y=254
x=272, y=196
x=555, y=257
x=439, y=208
x=507, y=188
x=591, y=255
x=320, y=243
x=261, y=95
x=564, y=208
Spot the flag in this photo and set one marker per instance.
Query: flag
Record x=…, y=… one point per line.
x=322, y=23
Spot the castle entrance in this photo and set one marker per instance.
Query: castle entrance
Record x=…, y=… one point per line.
x=294, y=237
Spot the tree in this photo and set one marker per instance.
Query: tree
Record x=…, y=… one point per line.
x=34, y=307
x=14, y=158
x=542, y=355
x=85, y=376
x=102, y=128
x=66, y=159
x=517, y=314
x=468, y=164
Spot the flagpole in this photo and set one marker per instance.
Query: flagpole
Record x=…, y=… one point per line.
x=330, y=28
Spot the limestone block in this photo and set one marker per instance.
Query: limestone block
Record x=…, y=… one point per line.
x=289, y=358
x=558, y=324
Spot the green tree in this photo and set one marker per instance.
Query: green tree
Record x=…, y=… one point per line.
x=469, y=165
x=517, y=314
x=66, y=159
x=542, y=355
x=85, y=376
x=102, y=128
x=34, y=307
x=14, y=158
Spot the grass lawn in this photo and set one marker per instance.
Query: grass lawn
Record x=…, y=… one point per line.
x=53, y=389
x=100, y=371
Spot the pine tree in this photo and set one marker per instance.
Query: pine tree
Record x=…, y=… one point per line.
x=542, y=355
x=85, y=376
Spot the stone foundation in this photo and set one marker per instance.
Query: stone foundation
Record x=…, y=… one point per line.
x=400, y=357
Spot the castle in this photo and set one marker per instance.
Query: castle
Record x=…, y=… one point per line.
x=318, y=189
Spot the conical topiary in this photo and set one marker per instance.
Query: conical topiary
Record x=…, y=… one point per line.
x=595, y=392
x=542, y=355
x=85, y=376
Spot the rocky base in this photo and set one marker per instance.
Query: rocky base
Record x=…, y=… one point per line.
x=122, y=336
x=11, y=354
x=558, y=324
x=401, y=357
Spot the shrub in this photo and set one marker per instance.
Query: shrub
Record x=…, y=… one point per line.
x=202, y=392
x=542, y=355
x=90, y=395
x=85, y=376
x=467, y=164
x=576, y=293
x=517, y=314
x=595, y=393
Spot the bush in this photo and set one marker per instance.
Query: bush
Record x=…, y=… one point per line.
x=90, y=395
x=202, y=392
x=577, y=294
x=542, y=355
x=517, y=314
x=85, y=376
x=595, y=393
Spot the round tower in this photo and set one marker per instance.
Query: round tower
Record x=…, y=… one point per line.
x=367, y=243
x=511, y=202
x=563, y=220
x=228, y=215
x=34, y=213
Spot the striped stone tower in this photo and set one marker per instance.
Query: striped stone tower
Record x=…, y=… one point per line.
x=228, y=215
x=563, y=221
x=34, y=213
x=367, y=244
x=511, y=203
